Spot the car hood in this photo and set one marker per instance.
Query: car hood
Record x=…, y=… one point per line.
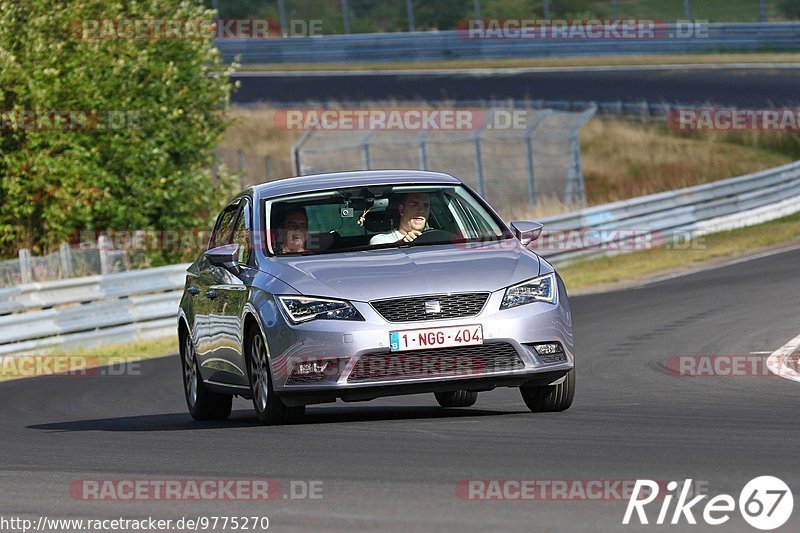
x=388, y=273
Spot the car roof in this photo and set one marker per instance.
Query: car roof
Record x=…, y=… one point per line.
x=334, y=180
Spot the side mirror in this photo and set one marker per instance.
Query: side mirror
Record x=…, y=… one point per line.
x=225, y=256
x=526, y=231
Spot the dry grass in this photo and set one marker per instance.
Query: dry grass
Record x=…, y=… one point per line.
x=623, y=159
x=544, y=62
x=254, y=132
x=545, y=207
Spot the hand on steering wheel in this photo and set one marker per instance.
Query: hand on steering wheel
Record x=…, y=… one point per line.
x=411, y=235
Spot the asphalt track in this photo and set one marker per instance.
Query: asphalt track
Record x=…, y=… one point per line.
x=393, y=464
x=728, y=86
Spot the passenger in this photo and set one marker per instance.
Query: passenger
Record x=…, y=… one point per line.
x=293, y=231
x=414, y=211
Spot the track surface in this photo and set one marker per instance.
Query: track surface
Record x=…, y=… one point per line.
x=742, y=87
x=392, y=464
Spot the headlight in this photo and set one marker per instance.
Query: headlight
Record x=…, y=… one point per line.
x=541, y=289
x=303, y=309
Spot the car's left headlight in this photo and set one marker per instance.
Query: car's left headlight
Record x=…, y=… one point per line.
x=304, y=309
x=541, y=289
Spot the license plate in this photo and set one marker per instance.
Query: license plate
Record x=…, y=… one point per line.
x=425, y=339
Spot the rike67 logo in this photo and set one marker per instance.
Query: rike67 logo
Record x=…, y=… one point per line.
x=765, y=503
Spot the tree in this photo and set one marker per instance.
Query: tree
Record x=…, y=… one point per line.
x=154, y=108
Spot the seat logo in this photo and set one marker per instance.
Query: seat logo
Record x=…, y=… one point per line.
x=432, y=306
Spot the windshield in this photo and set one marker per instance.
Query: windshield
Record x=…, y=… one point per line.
x=375, y=217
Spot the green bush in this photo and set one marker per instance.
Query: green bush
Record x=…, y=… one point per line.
x=150, y=172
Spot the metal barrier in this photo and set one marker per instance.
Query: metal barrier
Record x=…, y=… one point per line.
x=91, y=310
x=141, y=304
x=442, y=45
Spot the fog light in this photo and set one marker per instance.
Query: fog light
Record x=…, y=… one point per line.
x=548, y=349
x=313, y=371
x=304, y=369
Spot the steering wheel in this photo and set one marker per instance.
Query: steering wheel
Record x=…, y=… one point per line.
x=435, y=235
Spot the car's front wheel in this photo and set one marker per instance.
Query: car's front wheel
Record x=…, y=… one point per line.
x=550, y=398
x=459, y=398
x=202, y=403
x=269, y=407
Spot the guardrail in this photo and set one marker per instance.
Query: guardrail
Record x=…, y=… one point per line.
x=143, y=303
x=442, y=45
x=91, y=310
x=716, y=206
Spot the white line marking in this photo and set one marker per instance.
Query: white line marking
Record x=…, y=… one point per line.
x=760, y=353
x=715, y=266
x=648, y=281
x=777, y=361
x=493, y=71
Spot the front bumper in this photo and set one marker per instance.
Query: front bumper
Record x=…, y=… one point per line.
x=342, y=343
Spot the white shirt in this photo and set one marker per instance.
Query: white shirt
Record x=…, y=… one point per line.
x=386, y=238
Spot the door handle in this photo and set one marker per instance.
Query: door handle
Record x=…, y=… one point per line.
x=193, y=291
x=211, y=294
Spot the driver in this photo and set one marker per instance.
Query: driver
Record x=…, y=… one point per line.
x=414, y=211
x=293, y=231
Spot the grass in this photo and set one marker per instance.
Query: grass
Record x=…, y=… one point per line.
x=622, y=159
x=126, y=351
x=541, y=62
x=83, y=358
x=639, y=265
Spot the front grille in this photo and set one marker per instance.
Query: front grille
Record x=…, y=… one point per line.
x=305, y=380
x=412, y=309
x=438, y=362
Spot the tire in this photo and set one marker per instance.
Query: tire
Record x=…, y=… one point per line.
x=270, y=410
x=459, y=398
x=202, y=403
x=550, y=398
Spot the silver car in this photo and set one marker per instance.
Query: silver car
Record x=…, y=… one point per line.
x=357, y=285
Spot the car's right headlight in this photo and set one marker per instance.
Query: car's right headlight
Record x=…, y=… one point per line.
x=304, y=309
x=541, y=289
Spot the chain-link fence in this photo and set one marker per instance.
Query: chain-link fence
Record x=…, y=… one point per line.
x=513, y=168
x=252, y=168
x=67, y=262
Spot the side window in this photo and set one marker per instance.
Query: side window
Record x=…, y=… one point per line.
x=224, y=228
x=241, y=235
x=465, y=225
